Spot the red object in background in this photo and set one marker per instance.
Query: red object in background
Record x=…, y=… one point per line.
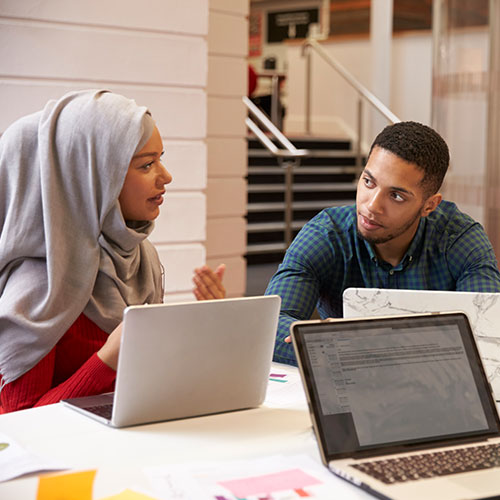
x=255, y=34
x=252, y=80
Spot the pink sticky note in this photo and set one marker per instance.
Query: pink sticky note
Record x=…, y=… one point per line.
x=293, y=479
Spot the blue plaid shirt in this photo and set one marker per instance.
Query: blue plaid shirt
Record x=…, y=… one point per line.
x=450, y=251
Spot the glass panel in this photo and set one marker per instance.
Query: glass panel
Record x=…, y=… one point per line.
x=460, y=97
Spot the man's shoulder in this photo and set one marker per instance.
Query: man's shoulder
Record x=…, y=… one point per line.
x=449, y=222
x=448, y=214
x=332, y=224
x=341, y=217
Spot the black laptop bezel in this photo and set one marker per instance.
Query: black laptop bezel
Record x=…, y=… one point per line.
x=299, y=330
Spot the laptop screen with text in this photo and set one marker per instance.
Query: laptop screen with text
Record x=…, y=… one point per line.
x=390, y=382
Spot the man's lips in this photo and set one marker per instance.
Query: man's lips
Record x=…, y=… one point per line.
x=369, y=224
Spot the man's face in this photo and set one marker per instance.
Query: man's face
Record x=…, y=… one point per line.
x=390, y=199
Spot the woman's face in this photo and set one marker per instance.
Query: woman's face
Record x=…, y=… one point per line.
x=143, y=189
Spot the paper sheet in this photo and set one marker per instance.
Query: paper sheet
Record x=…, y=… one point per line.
x=16, y=461
x=270, y=478
x=129, y=495
x=285, y=389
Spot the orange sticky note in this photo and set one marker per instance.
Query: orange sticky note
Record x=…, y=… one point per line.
x=68, y=486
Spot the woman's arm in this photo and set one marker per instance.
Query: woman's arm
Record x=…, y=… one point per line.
x=72, y=368
x=34, y=387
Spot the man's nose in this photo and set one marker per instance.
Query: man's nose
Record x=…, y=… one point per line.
x=375, y=204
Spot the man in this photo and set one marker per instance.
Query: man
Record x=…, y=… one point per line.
x=400, y=234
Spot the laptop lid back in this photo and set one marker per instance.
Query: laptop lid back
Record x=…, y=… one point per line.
x=196, y=358
x=390, y=384
x=483, y=310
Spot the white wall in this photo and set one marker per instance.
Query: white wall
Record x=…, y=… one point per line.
x=156, y=52
x=334, y=101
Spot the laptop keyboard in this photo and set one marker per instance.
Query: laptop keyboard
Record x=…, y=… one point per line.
x=440, y=463
x=102, y=410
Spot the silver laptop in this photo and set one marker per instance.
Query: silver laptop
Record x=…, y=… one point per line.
x=401, y=406
x=483, y=310
x=189, y=359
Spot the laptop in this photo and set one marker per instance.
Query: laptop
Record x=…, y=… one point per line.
x=189, y=359
x=483, y=310
x=401, y=405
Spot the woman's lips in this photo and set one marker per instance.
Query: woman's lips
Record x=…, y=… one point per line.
x=158, y=199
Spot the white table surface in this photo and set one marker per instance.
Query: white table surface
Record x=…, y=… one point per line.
x=119, y=455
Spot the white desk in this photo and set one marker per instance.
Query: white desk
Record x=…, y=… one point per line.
x=120, y=454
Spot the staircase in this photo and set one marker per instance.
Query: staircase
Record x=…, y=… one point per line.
x=326, y=178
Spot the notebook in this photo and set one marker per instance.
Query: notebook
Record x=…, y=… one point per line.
x=401, y=406
x=483, y=310
x=189, y=359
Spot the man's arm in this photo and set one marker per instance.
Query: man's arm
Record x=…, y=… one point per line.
x=472, y=261
x=298, y=280
x=299, y=294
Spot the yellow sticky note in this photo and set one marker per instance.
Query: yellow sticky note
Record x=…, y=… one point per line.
x=68, y=486
x=129, y=495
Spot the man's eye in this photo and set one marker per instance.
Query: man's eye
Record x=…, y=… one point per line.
x=368, y=182
x=397, y=197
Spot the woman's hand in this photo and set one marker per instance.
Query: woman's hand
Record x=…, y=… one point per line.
x=208, y=283
x=109, y=352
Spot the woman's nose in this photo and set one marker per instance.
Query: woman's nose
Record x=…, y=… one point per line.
x=164, y=177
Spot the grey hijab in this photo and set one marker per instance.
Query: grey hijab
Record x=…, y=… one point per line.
x=64, y=245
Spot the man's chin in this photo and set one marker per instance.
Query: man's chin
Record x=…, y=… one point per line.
x=372, y=239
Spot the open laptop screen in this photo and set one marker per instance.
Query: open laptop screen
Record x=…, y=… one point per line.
x=388, y=382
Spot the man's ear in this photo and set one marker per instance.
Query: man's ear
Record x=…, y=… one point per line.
x=431, y=204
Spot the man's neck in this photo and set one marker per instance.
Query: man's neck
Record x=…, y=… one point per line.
x=390, y=255
x=394, y=250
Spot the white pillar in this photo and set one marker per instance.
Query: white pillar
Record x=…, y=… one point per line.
x=381, y=47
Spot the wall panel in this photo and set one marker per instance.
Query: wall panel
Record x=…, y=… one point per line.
x=158, y=15
x=227, y=156
x=182, y=218
x=89, y=53
x=226, y=140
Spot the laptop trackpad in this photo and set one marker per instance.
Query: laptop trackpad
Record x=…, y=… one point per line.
x=481, y=482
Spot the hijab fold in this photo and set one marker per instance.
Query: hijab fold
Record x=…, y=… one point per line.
x=64, y=245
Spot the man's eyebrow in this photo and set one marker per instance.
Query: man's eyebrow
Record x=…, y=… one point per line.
x=393, y=188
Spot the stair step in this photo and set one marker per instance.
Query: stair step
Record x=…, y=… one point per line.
x=306, y=143
x=257, y=248
x=329, y=172
x=329, y=161
x=338, y=186
x=297, y=205
x=302, y=170
x=256, y=227
x=315, y=153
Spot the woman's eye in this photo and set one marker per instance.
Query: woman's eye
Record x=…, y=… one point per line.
x=147, y=166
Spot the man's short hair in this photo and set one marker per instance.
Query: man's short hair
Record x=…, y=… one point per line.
x=420, y=145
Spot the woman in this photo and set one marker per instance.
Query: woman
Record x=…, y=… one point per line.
x=80, y=184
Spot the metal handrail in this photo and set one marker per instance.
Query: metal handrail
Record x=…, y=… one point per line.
x=289, y=157
x=363, y=92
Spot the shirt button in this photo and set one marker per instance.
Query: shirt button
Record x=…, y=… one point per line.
x=391, y=272
x=411, y=258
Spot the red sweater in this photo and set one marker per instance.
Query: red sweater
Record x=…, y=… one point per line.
x=71, y=369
